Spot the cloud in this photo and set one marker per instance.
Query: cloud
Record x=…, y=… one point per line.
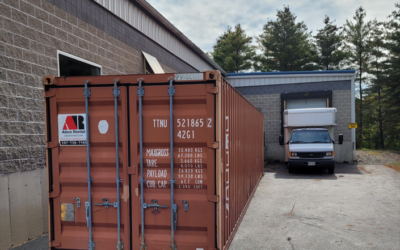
x=203, y=21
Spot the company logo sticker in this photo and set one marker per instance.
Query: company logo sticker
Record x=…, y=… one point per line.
x=72, y=129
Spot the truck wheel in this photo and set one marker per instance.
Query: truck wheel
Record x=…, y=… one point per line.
x=331, y=170
x=291, y=170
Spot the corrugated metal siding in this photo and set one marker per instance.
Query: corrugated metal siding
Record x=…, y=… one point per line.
x=244, y=81
x=140, y=21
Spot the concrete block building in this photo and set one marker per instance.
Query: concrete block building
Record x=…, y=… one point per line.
x=67, y=37
x=273, y=92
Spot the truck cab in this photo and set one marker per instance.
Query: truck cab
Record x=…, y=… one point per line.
x=308, y=139
x=311, y=147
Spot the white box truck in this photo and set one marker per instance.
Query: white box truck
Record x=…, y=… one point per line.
x=308, y=137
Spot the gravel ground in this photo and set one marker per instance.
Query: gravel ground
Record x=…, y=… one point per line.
x=377, y=157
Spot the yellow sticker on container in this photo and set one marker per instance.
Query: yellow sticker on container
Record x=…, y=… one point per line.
x=67, y=212
x=353, y=125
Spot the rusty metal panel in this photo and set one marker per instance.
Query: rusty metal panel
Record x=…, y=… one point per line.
x=194, y=166
x=68, y=178
x=241, y=164
x=217, y=153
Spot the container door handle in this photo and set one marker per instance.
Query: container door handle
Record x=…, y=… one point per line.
x=186, y=205
x=78, y=201
x=106, y=203
x=175, y=208
x=87, y=207
x=155, y=205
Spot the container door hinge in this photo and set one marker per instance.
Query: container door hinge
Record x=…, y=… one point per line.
x=50, y=93
x=55, y=243
x=131, y=170
x=213, y=198
x=49, y=80
x=213, y=144
x=213, y=90
x=51, y=144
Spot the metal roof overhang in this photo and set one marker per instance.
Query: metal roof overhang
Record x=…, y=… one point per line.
x=160, y=19
x=292, y=74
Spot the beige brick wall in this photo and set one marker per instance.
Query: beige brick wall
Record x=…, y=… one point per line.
x=31, y=32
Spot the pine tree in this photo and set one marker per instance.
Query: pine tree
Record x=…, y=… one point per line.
x=391, y=79
x=329, y=42
x=286, y=45
x=233, y=50
x=357, y=35
x=375, y=68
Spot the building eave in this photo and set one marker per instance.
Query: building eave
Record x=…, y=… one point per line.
x=160, y=19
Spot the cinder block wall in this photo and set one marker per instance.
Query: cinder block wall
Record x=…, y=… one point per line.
x=31, y=32
x=270, y=106
x=341, y=100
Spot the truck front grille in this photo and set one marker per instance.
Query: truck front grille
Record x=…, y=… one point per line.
x=311, y=155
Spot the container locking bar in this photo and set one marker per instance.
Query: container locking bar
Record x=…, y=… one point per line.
x=174, y=217
x=88, y=204
x=116, y=93
x=140, y=93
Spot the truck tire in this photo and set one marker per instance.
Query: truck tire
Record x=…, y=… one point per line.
x=291, y=170
x=331, y=170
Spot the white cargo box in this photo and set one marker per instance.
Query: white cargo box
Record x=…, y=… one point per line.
x=312, y=117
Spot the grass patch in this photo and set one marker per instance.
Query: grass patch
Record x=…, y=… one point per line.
x=394, y=166
x=375, y=152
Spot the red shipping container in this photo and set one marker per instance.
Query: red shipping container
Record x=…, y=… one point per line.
x=216, y=153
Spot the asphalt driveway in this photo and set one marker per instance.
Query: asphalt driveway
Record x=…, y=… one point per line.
x=356, y=208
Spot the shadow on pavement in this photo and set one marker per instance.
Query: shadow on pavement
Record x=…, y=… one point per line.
x=281, y=171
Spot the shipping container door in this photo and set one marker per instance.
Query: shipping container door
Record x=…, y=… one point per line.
x=68, y=167
x=194, y=166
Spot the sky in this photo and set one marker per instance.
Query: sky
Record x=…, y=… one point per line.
x=203, y=21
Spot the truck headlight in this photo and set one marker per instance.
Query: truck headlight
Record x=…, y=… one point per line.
x=292, y=154
x=329, y=153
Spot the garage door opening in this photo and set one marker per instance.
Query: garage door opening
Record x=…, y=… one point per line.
x=307, y=103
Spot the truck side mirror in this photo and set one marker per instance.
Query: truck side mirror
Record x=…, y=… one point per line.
x=281, y=140
x=340, y=139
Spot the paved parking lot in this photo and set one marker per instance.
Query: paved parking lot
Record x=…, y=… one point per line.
x=357, y=208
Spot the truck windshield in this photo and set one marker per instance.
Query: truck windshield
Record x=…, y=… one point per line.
x=310, y=136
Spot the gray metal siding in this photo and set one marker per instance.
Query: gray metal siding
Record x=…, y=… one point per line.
x=91, y=12
x=140, y=21
x=260, y=80
x=295, y=87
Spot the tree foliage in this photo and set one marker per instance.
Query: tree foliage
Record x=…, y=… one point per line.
x=329, y=42
x=286, y=45
x=234, y=51
x=370, y=47
x=357, y=34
